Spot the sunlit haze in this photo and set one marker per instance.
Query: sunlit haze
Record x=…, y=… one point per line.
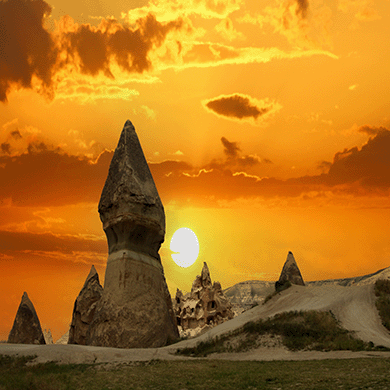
x=266, y=126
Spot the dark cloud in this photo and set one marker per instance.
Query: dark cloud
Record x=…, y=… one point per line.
x=230, y=148
x=236, y=106
x=48, y=176
x=16, y=134
x=27, y=48
x=93, y=48
x=5, y=148
x=353, y=171
x=324, y=166
x=369, y=165
x=30, y=52
x=302, y=9
x=48, y=242
x=371, y=130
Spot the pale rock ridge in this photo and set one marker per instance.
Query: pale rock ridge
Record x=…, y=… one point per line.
x=48, y=336
x=290, y=272
x=203, y=308
x=84, y=308
x=135, y=310
x=26, y=328
x=63, y=339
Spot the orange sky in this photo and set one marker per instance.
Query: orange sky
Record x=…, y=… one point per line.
x=265, y=124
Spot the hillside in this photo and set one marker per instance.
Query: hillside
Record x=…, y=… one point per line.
x=245, y=295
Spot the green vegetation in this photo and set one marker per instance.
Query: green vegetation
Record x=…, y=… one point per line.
x=197, y=375
x=382, y=292
x=309, y=330
x=278, y=289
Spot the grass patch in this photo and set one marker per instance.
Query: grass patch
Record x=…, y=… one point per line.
x=382, y=292
x=200, y=374
x=303, y=330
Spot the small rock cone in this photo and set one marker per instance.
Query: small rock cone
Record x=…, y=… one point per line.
x=291, y=272
x=84, y=308
x=26, y=328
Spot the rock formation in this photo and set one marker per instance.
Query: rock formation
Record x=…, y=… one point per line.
x=26, y=328
x=290, y=273
x=135, y=310
x=245, y=295
x=84, y=308
x=204, y=307
x=63, y=339
x=48, y=336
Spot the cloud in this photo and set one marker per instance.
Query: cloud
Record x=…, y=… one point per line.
x=156, y=37
x=91, y=48
x=304, y=24
x=371, y=130
x=363, y=11
x=5, y=148
x=16, y=135
x=226, y=29
x=168, y=9
x=369, y=166
x=28, y=51
x=49, y=176
x=206, y=54
x=302, y=8
x=241, y=107
x=353, y=172
x=48, y=242
x=35, y=58
x=230, y=148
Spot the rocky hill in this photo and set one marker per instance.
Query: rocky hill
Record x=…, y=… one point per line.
x=245, y=295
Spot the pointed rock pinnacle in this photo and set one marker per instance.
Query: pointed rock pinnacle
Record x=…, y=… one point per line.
x=26, y=328
x=291, y=272
x=84, y=308
x=130, y=206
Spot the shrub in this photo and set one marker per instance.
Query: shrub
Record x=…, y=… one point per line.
x=382, y=292
x=310, y=330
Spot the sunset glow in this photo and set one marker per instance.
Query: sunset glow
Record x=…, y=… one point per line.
x=185, y=246
x=266, y=126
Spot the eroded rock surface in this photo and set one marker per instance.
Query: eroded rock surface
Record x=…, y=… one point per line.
x=63, y=339
x=135, y=310
x=290, y=272
x=84, y=308
x=48, y=336
x=26, y=328
x=204, y=307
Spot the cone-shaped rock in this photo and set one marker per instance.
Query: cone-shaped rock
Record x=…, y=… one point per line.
x=27, y=328
x=135, y=310
x=84, y=308
x=291, y=272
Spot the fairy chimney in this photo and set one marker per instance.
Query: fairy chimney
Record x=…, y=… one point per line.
x=135, y=310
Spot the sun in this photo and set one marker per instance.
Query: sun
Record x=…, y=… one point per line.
x=186, y=247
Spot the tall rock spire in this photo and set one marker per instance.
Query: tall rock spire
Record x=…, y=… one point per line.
x=135, y=310
x=130, y=207
x=26, y=328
